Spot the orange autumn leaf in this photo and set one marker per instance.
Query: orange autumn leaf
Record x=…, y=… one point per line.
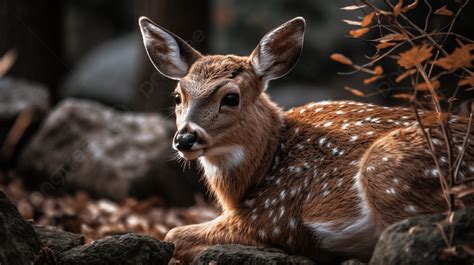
x=356, y=33
x=468, y=81
x=414, y=56
x=340, y=58
x=372, y=79
x=461, y=57
x=410, y=6
x=384, y=45
x=378, y=70
x=367, y=19
x=425, y=87
x=444, y=11
x=397, y=8
x=403, y=96
x=392, y=37
x=354, y=91
x=404, y=75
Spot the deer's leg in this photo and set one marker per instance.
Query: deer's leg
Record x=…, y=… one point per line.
x=399, y=177
x=190, y=240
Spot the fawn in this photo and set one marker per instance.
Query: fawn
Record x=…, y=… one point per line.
x=322, y=180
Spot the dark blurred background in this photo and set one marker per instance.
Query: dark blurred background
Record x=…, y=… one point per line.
x=92, y=50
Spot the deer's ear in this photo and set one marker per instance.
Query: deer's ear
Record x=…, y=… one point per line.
x=170, y=55
x=279, y=50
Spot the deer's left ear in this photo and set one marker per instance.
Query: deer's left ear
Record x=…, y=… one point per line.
x=279, y=50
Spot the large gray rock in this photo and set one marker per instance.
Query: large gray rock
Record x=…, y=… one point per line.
x=121, y=249
x=18, y=241
x=56, y=239
x=108, y=73
x=419, y=241
x=85, y=145
x=239, y=254
x=17, y=96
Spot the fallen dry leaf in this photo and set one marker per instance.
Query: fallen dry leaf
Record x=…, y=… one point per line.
x=414, y=56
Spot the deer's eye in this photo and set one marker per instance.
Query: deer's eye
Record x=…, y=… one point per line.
x=231, y=100
x=177, y=98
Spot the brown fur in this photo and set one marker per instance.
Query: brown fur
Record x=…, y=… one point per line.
x=321, y=180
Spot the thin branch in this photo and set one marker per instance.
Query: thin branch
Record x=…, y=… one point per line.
x=464, y=146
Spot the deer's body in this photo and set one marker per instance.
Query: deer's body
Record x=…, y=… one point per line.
x=322, y=180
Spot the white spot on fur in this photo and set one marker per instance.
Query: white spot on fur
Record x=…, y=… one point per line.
x=436, y=141
x=292, y=223
x=385, y=158
x=339, y=112
x=370, y=133
x=327, y=124
x=354, y=138
x=410, y=209
x=322, y=140
x=276, y=231
x=359, y=123
x=345, y=126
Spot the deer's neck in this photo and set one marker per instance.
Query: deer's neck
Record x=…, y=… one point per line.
x=245, y=164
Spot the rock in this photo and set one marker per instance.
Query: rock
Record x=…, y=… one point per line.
x=419, y=241
x=87, y=146
x=353, y=262
x=120, y=249
x=17, y=96
x=239, y=254
x=56, y=239
x=108, y=73
x=18, y=241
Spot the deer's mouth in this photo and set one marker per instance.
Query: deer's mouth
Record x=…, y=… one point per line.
x=191, y=154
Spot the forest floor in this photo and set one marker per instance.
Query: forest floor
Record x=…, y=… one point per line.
x=98, y=218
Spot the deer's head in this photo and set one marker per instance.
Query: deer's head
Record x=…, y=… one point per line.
x=220, y=99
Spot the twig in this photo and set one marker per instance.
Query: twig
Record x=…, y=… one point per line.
x=464, y=146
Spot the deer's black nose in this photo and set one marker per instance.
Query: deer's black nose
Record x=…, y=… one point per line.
x=184, y=140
